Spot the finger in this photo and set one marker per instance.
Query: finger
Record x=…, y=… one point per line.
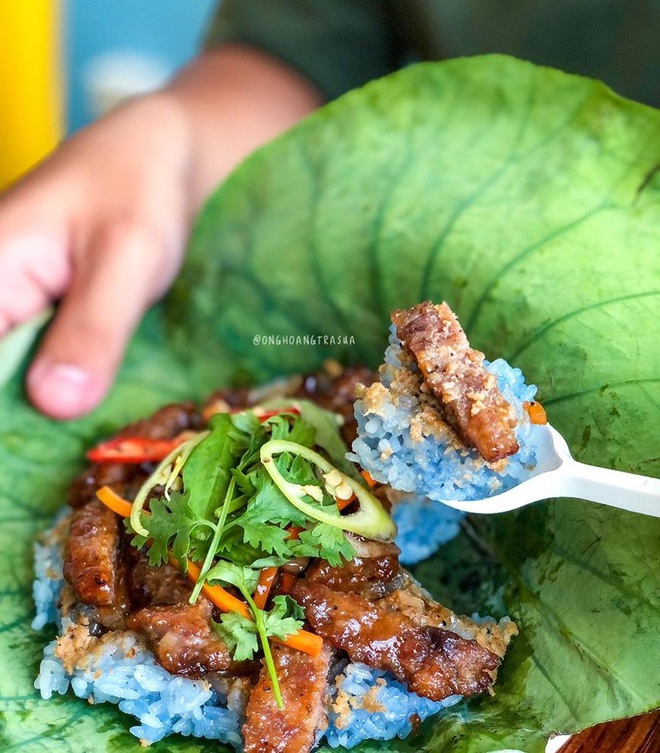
x=34, y=259
x=114, y=282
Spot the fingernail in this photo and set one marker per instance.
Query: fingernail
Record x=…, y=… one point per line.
x=59, y=389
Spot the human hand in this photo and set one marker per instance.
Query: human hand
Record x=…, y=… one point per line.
x=101, y=226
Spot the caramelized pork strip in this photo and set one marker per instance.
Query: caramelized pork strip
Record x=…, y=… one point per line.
x=165, y=423
x=303, y=682
x=182, y=638
x=366, y=575
x=467, y=392
x=418, y=605
x=117, y=475
x=90, y=554
x=431, y=661
x=154, y=586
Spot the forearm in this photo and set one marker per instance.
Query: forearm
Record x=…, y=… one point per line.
x=234, y=99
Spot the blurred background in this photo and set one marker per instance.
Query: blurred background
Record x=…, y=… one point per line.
x=64, y=62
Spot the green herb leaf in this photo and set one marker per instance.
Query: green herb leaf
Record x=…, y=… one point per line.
x=327, y=542
x=243, y=578
x=269, y=504
x=170, y=526
x=245, y=421
x=269, y=538
x=301, y=432
x=207, y=472
x=239, y=633
x=244, y=482
x=285, y=617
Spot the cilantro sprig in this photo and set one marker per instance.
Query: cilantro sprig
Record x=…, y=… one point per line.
x=242, y=635
x=224, y=506
x=229, y=509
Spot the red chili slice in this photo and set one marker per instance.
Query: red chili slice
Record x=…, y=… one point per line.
x=134, y=450
x=143, y=450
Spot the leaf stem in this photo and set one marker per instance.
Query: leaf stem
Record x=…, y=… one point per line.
x=215, y=541
x=265, y=645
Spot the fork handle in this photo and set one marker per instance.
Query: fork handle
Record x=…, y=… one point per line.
x=627, y=491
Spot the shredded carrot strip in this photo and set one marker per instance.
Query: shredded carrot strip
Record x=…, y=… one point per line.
x=111, y=499
x=368, y=478
x=302, y=640
x=217, y=595
x=266, y=579
x=342, y=503
x=536, y=412
x=268, y=574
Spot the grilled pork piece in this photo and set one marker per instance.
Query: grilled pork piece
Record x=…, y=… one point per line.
x=366, y=575
x=431, y=661
x=84, y=487
x=93, y=564
x=377, y=614
x=91, y=553
x=154, y=586
x=467, y=392
x=182, y=638
x=303, y=681
x=165, y=423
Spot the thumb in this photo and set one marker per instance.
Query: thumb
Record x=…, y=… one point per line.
x=114, y=281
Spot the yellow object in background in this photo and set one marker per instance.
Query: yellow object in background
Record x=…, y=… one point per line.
x=31, y=91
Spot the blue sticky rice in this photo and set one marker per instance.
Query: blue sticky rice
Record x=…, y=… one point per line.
x=398, y=444
x=122, y=671
x=370, y=705
x=423, y=525
x=363, y=703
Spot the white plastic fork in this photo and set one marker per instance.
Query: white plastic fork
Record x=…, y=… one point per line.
x=557, y=474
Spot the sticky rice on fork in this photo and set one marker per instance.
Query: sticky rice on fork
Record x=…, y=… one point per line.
x=443, y=421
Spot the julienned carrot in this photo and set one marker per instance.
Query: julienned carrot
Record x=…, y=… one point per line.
x=268, y=574
x=111, y=499
x=266, y=579
x=217, y=594
x=536, y=412
x=302, y=640
x=368, y=478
